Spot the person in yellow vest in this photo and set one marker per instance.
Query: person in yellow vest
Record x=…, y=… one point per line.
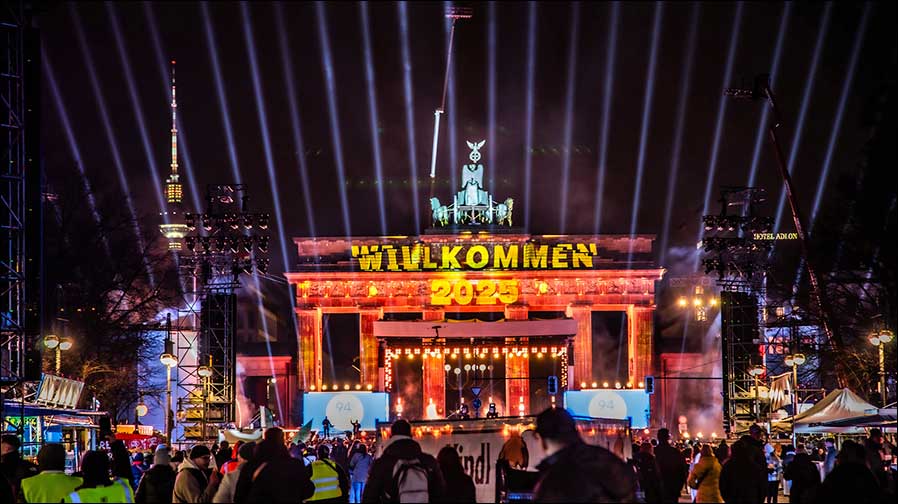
x=96, y=485
x=331, y=481
x=52, y=484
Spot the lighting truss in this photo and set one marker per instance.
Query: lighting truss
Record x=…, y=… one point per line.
x=736, y=245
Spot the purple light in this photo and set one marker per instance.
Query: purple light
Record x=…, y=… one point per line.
x=685, y=86
x=721, y=112
x=528, y=121
x=491, y=91
x=646, y=119
x=805, y=101
x=299, y=144
x=608, y=92
x=774, y=70
x=451, y=111
x=569, y=112
x=409, y=112
x=328, y=70
x=372, y=115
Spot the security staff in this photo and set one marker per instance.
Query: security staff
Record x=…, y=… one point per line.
x=331, y=481
x=52, y=484
x=97, y=487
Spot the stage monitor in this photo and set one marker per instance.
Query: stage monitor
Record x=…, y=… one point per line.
x=343, y=407
x=610, y=403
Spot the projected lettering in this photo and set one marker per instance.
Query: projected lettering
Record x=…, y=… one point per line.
x=475, y=257
x=464, y=292
x=775, y=236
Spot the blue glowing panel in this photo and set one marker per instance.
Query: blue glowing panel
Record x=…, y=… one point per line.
x=343, y=407
x=614, y=404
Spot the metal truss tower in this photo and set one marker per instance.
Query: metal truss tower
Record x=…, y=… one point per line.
x=219, y=247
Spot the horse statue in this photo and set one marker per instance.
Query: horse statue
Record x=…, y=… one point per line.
x=440, y=212
x=503, y=211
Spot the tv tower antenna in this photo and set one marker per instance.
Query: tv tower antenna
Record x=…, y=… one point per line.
x=453, y=13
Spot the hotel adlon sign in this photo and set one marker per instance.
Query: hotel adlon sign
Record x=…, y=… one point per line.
x=474, y=253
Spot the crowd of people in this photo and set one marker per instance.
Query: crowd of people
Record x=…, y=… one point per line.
x=755, y=470
x=275, y=469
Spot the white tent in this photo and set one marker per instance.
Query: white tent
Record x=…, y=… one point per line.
x=839, y=404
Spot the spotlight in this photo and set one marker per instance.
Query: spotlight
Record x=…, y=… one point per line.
x=247, y=221
x=263, y=243
x=190, y=241
x=263, y=221
x=207, y=222
x=190, y=221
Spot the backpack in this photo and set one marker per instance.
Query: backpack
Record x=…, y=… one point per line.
x=411, y=480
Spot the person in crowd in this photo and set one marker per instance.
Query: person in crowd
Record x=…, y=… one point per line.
x=137, y=468
x=459, y=486
x=177, y=459
x=574, y=471
x=805, y=478
x=754, y=443
x=232, y=463
x=158, y=482
x=403, y=459
x=326, y=427
x=788, y=452
x=774, y=471
x=359, y=465
x=705, y=477
x=339, y=454
x=196, y=481
x=649, y=476
x=722, y=452
x=875, y=456
x=273, y=475
x=672, y=466
x=13, y=467
x=121, y=461
x=52, y=484
x=96, y=485
x=829, y=461
x=228, y=485
x=851, y=480
x=223, y=455
x=330, y=480
x=741, y=479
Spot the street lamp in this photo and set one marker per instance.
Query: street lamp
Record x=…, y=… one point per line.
x=879, y=340
x=204, y=372
x=168, y=360
x=53, y=342
x=793, y=361
x=756, y=371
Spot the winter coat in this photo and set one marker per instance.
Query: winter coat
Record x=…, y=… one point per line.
x=649, y=477
x=705, y=477
x=673, y=470
x=585, y=473
x=380, y=479
x=850, y=482
x=15, y=469
x=829, y=463
x=228, y=485
x=805, y=478
x=742, y=480
x=755, y=452
x=157, y=485
x=459, y=488
x=192, y=484
x=276, y=478
x=359, y=466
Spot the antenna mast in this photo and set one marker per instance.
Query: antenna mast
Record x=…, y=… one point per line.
x=453, y=13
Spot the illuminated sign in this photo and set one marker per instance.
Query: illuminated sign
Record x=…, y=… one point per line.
x=775, y=236
x=476, y=257
x=481, y=292
x=606, y=403
x=342, y=408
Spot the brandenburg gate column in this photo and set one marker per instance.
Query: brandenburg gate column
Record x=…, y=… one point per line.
x=640, y=326
x=308, y=336
x=582, y=370
x=368, y=344
x=434, y=376
x=517, y=367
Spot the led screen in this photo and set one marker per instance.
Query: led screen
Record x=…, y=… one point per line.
x=614, y=403
x=342, y=408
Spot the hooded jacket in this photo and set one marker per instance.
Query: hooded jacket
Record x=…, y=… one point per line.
x=192, y=484
x=380, y=483
x=157, y=485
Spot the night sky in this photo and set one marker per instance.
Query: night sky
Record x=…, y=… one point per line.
x=181, y=32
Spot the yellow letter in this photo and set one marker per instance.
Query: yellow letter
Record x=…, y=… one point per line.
x=369, y=259
x=535, y=257
x=428, y=264
x=448, y=255
x=410, y=258
x=559, y=257
x=392, y=264
x=480, y=263
x=582, y=256
x=505, y=260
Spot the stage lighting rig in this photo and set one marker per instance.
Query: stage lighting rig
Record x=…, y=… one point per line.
x=736, y=255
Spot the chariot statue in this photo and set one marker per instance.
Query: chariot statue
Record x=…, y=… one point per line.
x=472, y=205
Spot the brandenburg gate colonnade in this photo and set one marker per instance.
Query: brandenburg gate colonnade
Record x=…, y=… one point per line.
x=335, y=276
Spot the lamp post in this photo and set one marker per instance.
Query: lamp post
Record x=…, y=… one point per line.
x=168, y=360
x=794, y=360
x=204, y=372
x=755, y=372
x=879, y=340
x=53, y=342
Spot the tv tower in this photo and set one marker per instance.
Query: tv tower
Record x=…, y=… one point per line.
x=175, y=232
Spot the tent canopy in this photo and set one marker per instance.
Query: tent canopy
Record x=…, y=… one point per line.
x=883, y=418
x=838, y=405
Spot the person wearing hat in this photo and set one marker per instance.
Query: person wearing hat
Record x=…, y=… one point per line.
x=52, y=484
x=196, y=482
x=13, y=467
x=228, y=484
x=158, y=482
x=574, y=471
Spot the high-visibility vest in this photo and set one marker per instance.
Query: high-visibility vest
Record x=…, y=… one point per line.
x=49, y=486
x=326, y=480
x=118, y=491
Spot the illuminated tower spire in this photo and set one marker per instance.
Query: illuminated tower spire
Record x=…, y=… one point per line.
x=173, y=191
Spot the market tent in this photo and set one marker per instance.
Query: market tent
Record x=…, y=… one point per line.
x=882, y=418
x=838, y=405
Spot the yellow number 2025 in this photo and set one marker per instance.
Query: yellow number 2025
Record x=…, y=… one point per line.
x=462, y=292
